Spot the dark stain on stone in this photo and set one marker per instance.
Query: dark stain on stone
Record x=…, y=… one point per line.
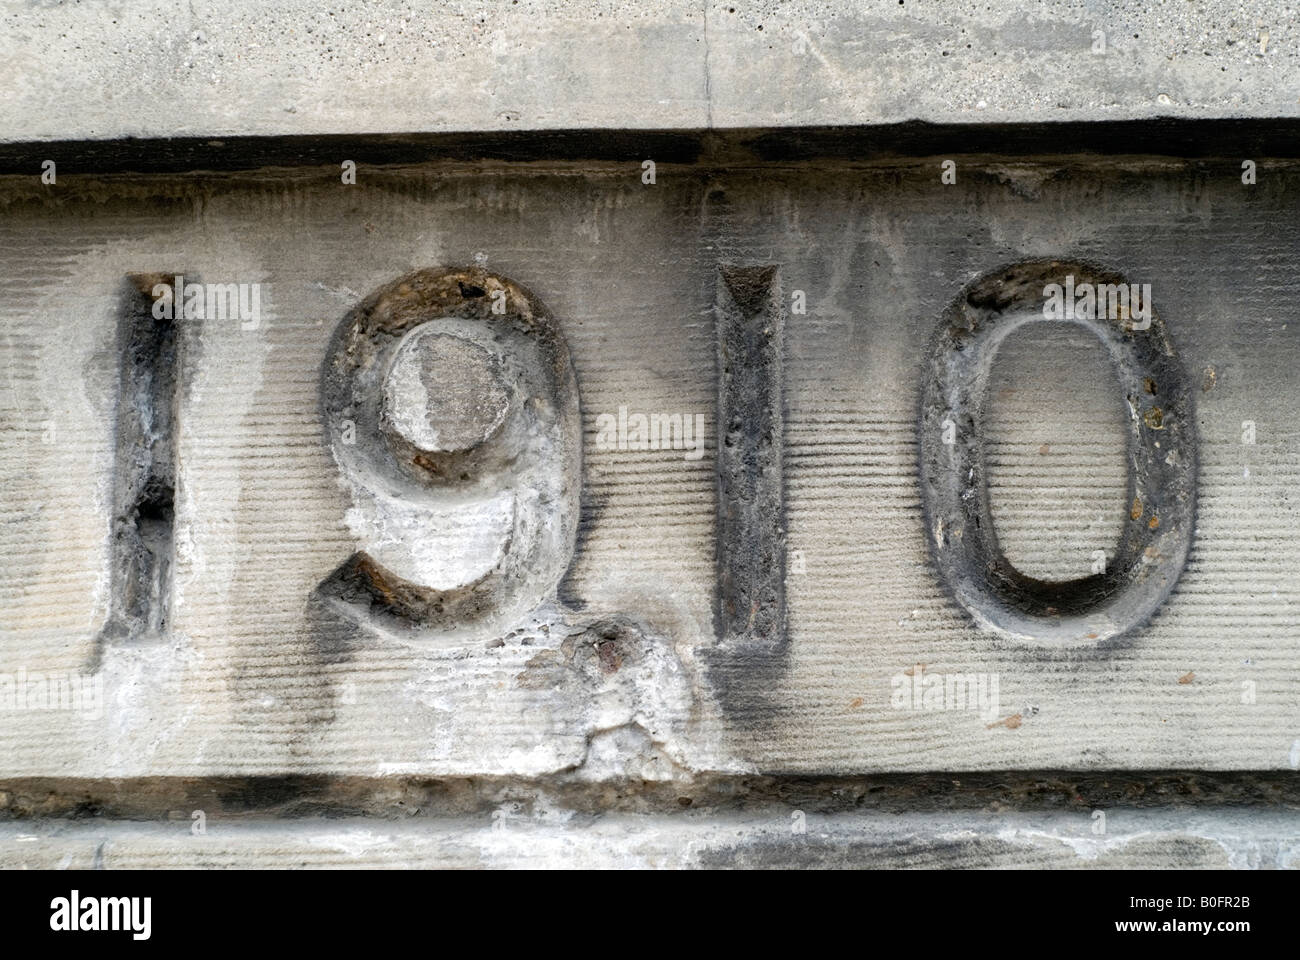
x=393, y=798
x=750, y=611
x=151, y=352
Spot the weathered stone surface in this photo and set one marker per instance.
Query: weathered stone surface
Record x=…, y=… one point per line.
x=501, y=628
x=243, y=685
x=1211, y=839
x=442, y=394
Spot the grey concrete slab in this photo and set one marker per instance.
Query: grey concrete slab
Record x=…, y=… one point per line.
x=96, y=71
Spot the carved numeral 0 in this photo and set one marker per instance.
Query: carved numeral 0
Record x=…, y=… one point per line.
x=1157, y=531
